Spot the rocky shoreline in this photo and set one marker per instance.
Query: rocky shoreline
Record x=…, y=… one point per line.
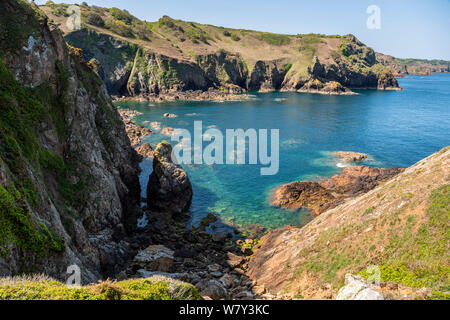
x=190, y=95
x=327, y=194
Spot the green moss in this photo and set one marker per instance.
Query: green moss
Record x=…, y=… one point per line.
x=136, y=289
x=17, y=28
x=274, y=39
x=17, y=226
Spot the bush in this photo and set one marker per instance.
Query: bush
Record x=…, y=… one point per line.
x=95, y=20
x=227, y=33
x=235, y=37
x=122, y=15
x=143, y=31
x=119, y=27
x=43, y=288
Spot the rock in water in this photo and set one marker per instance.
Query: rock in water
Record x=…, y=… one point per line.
x=145, y=150
x=357, y=289
x=169, y=189
x=351, y=156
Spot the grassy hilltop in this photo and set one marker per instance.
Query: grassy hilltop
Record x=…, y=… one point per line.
x=140, y=57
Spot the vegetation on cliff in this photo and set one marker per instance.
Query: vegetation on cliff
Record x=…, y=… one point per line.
x=234, y=59
x=60, y=137
x=43, y=288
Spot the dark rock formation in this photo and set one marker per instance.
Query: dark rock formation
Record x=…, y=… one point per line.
x=169, y=189
x=73, y=178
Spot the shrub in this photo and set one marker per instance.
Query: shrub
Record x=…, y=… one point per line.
x=235, y=37
x=119, y=27
x=227, y=33
x=95, y=20
x=274, y=39
x=122, y=15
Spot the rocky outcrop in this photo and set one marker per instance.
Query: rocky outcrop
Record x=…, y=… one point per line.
x=145, y=150
x=169, y=189
x=347, y=156
x=266, y=76
x=135, y=132
x=400, y=67
x=73, y=177
x=382, y=227
x=330, y=88
x=357, y=289
x=321, y=196
x=154, y=258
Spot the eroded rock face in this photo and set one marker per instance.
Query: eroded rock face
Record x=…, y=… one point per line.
x=169, y=189
x=94, y=143
x=321, y=196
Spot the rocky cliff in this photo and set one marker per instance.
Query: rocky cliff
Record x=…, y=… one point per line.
x=398, y=232
x=139, y=58
x=400, y=67
x=69, y=188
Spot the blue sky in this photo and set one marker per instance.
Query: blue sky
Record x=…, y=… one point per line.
x=409, y=28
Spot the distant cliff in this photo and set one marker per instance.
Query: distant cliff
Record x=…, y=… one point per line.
x=69, y=188
x=138, y=58
x=401, y=67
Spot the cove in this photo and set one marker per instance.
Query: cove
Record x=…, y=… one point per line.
x=395, y=128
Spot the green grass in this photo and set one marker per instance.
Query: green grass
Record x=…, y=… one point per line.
x=274, y=39
x=42, y=288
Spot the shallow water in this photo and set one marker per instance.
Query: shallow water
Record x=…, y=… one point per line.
x=394, y=128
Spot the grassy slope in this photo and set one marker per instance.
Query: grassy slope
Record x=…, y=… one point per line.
x=187, y=40
x=402, y=226
x=43, y=288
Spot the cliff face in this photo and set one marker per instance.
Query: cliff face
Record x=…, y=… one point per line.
x=401, y=227
x=140, y=58
x=401, y=67
x=69, y=178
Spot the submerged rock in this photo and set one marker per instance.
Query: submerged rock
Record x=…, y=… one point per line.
x=351, y=156
x=169, y=189
x=170, y=115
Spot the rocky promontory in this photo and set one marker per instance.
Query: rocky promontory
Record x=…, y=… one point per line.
x=204, y=62
x=324, y=195
x=135, y=132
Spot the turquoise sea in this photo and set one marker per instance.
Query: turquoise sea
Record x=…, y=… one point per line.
x=394, y=128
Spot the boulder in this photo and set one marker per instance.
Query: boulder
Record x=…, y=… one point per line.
x=351, y=156
x=145, y=150
x=233, y=260
x=170, y=115
x=154, y=258
x=169, y=189
x=357, y=289
x=212, y=289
